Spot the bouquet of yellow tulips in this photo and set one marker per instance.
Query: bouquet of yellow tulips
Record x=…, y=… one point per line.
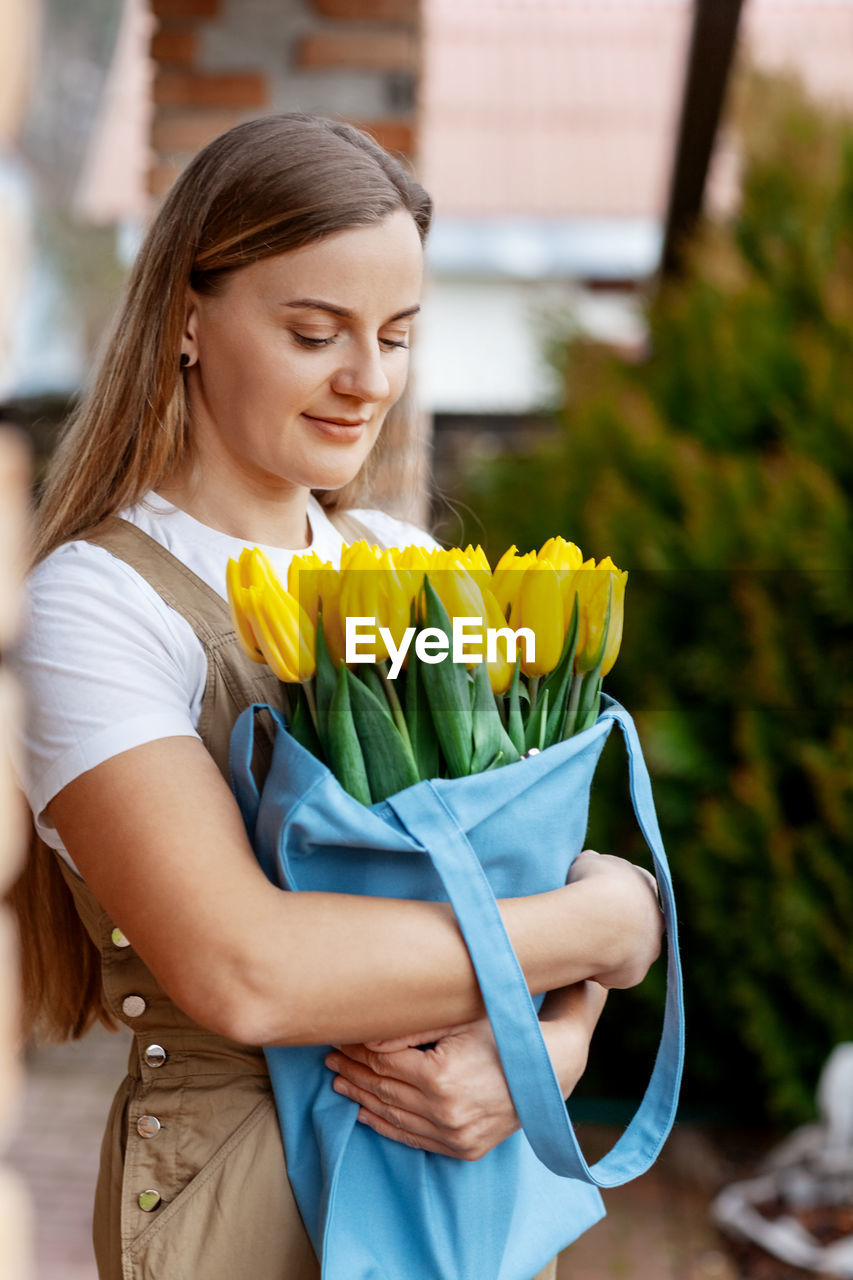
x=408, y=663
x=409, y=677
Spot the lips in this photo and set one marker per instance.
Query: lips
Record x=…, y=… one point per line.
x=336, y=422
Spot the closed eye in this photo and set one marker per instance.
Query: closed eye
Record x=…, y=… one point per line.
x=305, y=341
x=313, y=342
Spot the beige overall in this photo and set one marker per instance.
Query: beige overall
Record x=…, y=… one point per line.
x=192, y=1183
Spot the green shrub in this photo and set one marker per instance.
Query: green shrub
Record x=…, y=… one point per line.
x=720, y=471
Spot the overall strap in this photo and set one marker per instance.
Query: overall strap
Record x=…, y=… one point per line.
x=353, y=529
x=184, y=591
x=191, y=1050
x=233, y=680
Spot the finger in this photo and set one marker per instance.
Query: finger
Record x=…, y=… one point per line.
x=382, y=1089
x=411, y=1122
x=420, y=1143
x=409, y=1065
x=379, y=1063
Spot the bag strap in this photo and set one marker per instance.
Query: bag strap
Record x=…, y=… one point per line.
x=240, y=757
x=530, y=1076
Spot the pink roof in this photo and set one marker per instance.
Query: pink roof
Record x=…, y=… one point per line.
x=568, y=108
x=814, y=38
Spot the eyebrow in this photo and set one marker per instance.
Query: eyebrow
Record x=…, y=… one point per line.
x=316, y=304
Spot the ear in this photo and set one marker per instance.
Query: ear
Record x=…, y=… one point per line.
x=189, y=339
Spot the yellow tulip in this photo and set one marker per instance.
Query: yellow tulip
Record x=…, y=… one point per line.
x=501, y=670
x=595, y=586
x=284, y=632
x=360, y=553
x=397, y=593
x=410, y=564
x=507, y=575
x=460, y=594
x=561, y=554
x=538, y=605
x=303, y=581
x=457, y=590
x=256, y=567
x=411, y=558
x=371, y=588
x=477, y=564
x=439, y=558
x=359, y=590
x=568, y=591
x=253, y=569
x=238, y=600
x=329, y=591
x=619, y=578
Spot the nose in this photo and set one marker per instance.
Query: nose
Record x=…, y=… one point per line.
x=363, y=374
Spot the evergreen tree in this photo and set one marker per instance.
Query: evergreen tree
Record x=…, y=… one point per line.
x=719, y=471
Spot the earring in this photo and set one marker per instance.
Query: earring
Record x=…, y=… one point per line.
x=185, y=360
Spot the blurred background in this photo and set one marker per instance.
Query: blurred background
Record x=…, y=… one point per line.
x=637, y=332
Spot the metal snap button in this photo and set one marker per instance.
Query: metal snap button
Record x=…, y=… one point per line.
x=149, y=1200
x=133, y=1006
x=148, y=1126
x=119, y=940
x=155, y=1055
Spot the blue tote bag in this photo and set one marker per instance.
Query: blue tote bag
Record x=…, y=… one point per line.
x=376, y=1209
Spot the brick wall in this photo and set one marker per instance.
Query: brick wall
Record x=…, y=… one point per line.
x=219, y=62
x=15, y=1208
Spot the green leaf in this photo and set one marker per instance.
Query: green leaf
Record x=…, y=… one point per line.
x=515, y=723
x=589, y=699
x=325, y=684
x=370, y=676
x=387, y=758
x=447, y=690
x=591, y=688
x=421, y=729
x=572, y=707
x=345, y=753
x=490, y=737
x=544, y=722
x=302, y=727
x=534, y=733
x=559, y=681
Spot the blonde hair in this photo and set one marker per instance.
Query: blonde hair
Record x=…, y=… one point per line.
x=263, y=188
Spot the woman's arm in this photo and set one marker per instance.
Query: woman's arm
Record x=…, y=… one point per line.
x=158, y=837
x=452, y=1098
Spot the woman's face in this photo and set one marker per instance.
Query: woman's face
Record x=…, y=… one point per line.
x=298, y=359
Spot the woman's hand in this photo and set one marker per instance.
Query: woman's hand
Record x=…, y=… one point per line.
x=633, y=897
x=452, y=1098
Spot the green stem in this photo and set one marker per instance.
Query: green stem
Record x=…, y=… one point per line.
x=501, y=705
x=572, y=709
x=394, y=704
x=533, y=689
x=308, y=687
x=286, y=705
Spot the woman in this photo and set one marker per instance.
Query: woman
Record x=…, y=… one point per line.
x=246, y=393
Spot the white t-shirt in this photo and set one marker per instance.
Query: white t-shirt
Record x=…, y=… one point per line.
x=107, y=665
